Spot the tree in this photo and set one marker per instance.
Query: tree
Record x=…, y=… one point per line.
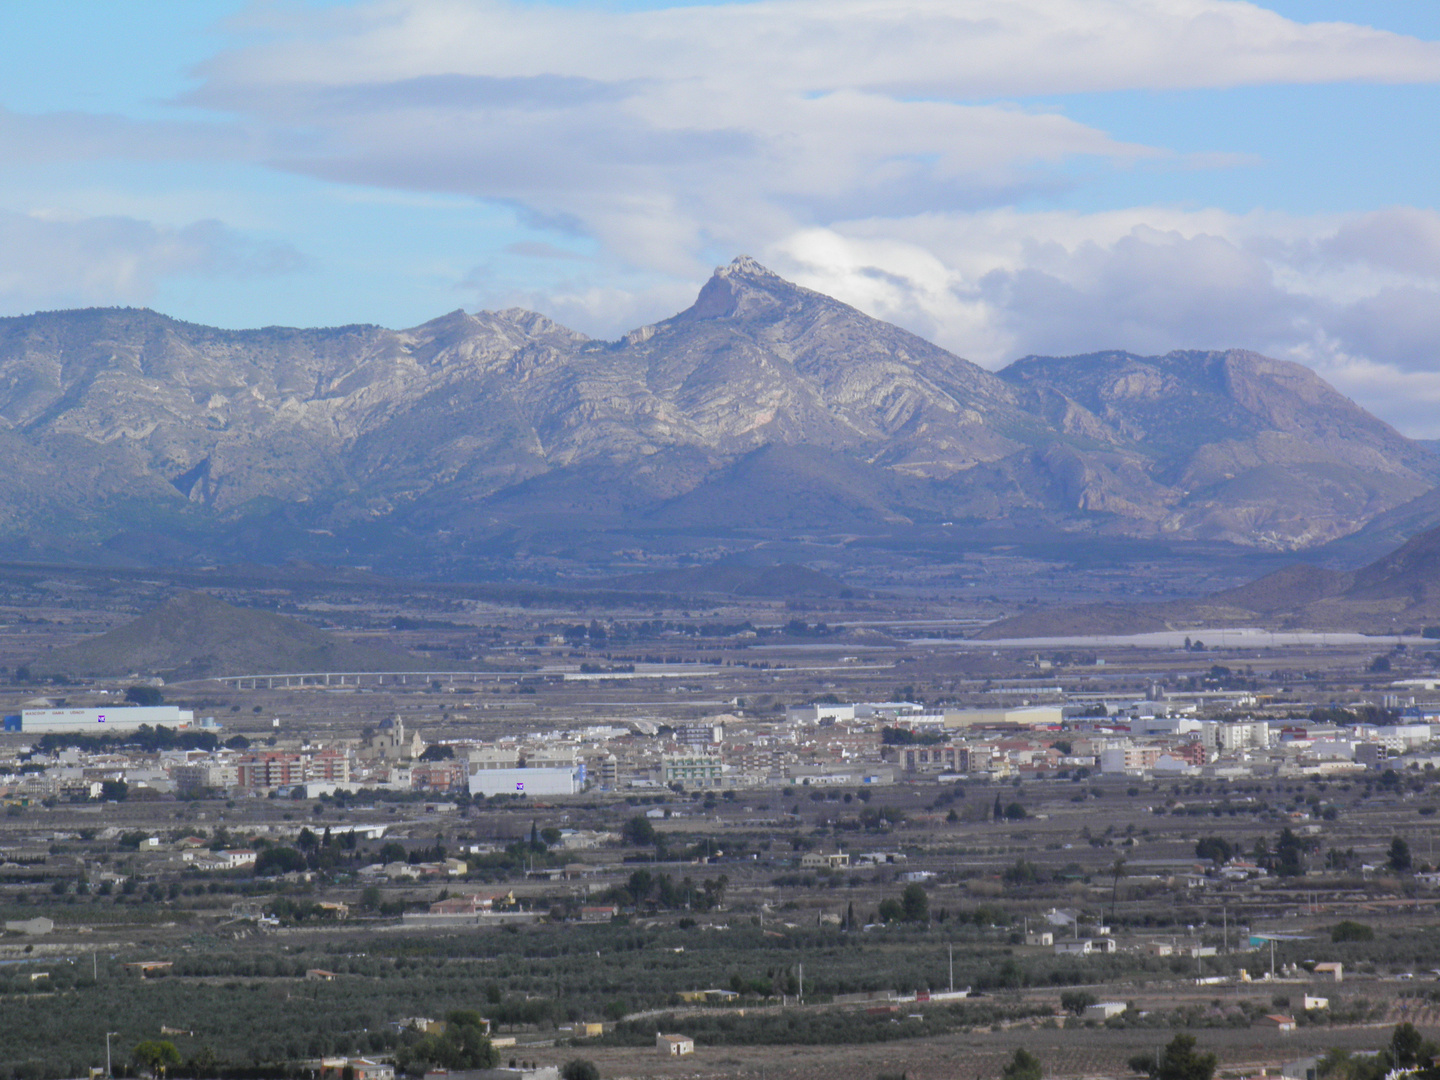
x=114, y=790
x=579, y=1069
x=1076, y=1001
x=1406, y=1045
x=1289, y=855
x=392, y=851
x=1023, y=1066
x=1181, y=1062
x=463, y=1045
x=278, y=860
x=1215, y=848
x=143, y=695
x=156, y=1055
x=1399, y=859
x=1116, y=872
x=638, y=831
x=914, y=904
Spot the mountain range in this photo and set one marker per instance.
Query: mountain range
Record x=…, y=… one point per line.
x=763, y=406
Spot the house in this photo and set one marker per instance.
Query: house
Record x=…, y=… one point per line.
x=1082, y=947
x=472, y=903
x=674, y=1045
x=1331, y=967
x=319, y=975
x=699, y=997
x=584, y=1030
x=1043, y=938
x=148, y=968
x=820, y=860
x=599, y=913
x=360, y=1068
x=1279, y=1023
x=1310, y=1002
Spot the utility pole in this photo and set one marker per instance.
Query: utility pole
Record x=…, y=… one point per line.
x=952, y=967
x=108, y=1072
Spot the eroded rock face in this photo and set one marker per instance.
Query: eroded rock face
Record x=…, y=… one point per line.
x=761, y=399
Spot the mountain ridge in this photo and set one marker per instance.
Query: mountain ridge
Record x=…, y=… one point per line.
x=762, y=405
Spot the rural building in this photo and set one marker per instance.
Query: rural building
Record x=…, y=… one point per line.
x=1043, y=938
x=38, y=925
x=674, y=1045
x=1279, y=1023
x=821, y=860
x=1103, y=1010
x=1310, y=1002
x=1331, y=967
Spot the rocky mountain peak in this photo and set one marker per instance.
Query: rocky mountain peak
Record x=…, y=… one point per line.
x=746, y=289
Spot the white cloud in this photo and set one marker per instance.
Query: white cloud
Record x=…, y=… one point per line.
x=59, y=260
x=667, y=134
x=964, y=48
x=1357, y=297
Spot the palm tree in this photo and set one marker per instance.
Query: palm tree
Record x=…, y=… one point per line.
x=1116, y=873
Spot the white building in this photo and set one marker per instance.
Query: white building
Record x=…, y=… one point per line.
x=98, y=721
x=489, y=782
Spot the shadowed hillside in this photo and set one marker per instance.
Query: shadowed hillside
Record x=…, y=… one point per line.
x=194, y=636
x=1396, y=592
x=765, y=582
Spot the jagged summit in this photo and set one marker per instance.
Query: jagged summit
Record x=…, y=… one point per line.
x=746, y=266
x=744, y=289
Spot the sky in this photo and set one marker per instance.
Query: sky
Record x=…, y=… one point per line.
x=1004, y=177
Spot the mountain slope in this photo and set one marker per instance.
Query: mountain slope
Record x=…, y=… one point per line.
x=1237, y=445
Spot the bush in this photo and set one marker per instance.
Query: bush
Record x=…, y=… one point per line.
x=1349, y=930
x=1023, y=1066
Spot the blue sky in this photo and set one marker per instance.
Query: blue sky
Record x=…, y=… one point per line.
x=1002, y=176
